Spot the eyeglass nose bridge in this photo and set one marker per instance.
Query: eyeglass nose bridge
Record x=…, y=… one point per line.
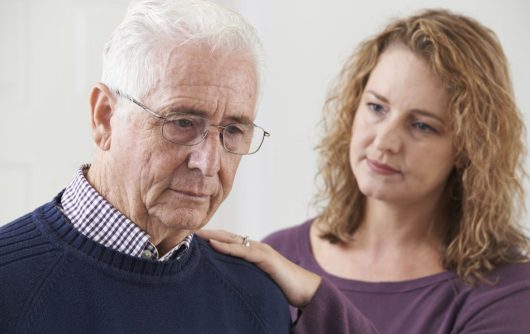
x=206, y=131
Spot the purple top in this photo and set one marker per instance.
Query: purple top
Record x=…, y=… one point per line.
x=440, y=303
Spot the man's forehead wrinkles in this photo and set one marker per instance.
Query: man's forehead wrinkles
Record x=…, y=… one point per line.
x=214, y=87
x=187, y=99
x=209, y=95
x=205, y=105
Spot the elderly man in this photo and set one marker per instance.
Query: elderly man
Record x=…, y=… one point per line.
x=115, y=251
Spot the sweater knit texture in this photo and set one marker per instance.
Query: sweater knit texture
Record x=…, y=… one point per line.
x=55, y=280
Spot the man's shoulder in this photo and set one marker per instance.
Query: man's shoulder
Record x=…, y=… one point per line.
x=238, y=270
x=23, y=245
x=15, y=224
x=19, y=235
x=253, y=286
x=26, y=256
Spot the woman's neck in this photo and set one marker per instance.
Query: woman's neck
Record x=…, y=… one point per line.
x=386, y=225
x=392, y=243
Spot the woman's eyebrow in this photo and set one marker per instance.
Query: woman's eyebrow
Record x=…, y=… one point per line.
x=378, y=96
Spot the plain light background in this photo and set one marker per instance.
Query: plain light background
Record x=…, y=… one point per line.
x=51, y=56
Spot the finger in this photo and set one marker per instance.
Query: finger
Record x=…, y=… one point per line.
x=257, y=252
x=250, y=254
x=220, y=235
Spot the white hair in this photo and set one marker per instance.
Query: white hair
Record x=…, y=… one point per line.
x=129, y=54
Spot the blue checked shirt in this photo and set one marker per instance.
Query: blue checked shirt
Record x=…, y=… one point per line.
x=98, y=220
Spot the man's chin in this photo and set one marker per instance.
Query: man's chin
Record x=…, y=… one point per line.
x=185, y=219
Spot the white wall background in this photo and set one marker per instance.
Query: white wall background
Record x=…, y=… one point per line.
x=50, y=56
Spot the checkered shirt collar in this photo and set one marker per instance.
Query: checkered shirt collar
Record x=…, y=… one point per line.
x=98, y=220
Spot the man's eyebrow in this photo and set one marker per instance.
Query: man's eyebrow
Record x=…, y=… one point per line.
x=170, y=110
x=239, y=119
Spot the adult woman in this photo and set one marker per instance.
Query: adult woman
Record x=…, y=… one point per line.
x=422, y=167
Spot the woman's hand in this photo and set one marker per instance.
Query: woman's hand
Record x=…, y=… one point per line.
x=298, y=285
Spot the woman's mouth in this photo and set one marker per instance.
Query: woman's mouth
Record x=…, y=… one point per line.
x=381, y=168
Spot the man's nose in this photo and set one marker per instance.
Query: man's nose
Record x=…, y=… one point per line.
x=206, y=156
x=389, y=137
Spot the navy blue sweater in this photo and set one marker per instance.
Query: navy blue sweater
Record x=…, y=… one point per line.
x=55, y=280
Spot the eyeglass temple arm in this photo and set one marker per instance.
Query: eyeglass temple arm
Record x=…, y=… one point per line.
x=138, y=103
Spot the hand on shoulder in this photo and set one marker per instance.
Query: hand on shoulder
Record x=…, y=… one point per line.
x=298, y=284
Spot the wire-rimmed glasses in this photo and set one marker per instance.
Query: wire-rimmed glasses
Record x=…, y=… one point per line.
x=189, y=129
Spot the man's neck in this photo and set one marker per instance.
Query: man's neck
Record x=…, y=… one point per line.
x=162, y=237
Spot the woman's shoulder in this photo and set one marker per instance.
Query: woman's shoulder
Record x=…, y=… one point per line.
x=507, y=277
x=505, y=298
x=288, y=241
x=513, y=273
x=289, y=233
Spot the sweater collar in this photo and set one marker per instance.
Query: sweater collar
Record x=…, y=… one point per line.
x=56, y=226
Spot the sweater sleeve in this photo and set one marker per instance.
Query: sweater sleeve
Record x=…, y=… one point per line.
x=331, y=312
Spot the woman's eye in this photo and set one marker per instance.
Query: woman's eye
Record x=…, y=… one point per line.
x=375, y=107
x=423, y=127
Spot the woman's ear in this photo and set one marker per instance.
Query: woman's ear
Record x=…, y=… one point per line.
x=102, y=105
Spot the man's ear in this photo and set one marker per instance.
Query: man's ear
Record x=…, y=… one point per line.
x=102, y=106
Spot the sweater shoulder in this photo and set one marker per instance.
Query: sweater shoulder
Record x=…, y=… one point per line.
x=290, y=241
x=251, y=285
x=504, y=280
x=26, y=257
x=21, y=241
x=502, y=304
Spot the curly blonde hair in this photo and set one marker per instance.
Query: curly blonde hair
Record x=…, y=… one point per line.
x=484, y=193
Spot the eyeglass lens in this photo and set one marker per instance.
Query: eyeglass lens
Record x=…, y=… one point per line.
x=191, y=130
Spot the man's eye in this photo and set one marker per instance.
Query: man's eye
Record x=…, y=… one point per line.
x=235, y=129
x=183, y=122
